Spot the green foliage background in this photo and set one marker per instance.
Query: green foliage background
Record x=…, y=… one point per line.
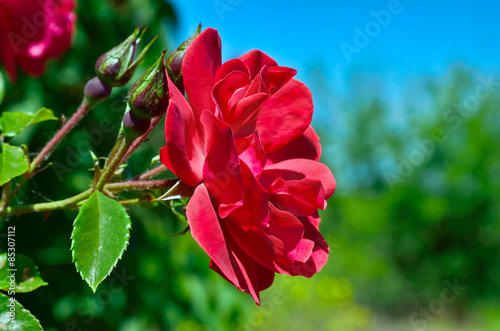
x=395, y=237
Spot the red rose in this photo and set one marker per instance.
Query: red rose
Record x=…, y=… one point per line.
x=245, y=142
x=33, y=31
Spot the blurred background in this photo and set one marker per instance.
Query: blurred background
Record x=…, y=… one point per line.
x=407, y=97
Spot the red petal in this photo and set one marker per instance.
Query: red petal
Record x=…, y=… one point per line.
x=286, y=227
x=221, y=172
x=312, y=249
x=255, y=60
x=319, y=255
x=285, y=115
x=276, y=77
x=297, y=169
x=229, y=67
x=227, y=258
x=224, y=91
x=244, y=118
x=306, y=146
x=206, y=230
x=7, y=55
x=184, y=151
x=252, y=276
x=201, y=62
x=299, y=197
x=254, y=156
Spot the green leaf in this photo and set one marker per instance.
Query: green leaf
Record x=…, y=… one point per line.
x=27, y=275
x=2, y=88
x=11, y=123
x=100, y=236
x=13, y=162
x=23, y=320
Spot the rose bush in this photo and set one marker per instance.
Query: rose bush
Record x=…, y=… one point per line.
x=33, y=31
x=244, y=141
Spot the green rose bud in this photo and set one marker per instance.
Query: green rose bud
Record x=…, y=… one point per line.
x=173, y=62
x=116, y=67
x=148, y=97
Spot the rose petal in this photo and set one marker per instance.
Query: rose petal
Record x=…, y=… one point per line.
x=299, y=197
x=245, y=112
x=318, y=254
x=252, y=276
x=277, y=77
x=285, y=115
x=206, y=230
x=221, y=172
x=254, y=156
x=306, y=146
x=28, y=44
x=255, y=60
x=184, y=151
x=224, y=91
x=229, y=67
x=297, y=169
x=201, y=62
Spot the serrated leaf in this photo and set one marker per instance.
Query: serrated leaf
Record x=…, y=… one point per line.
x=27, y=275
x=13, y=162
x=100, y=236
x=11, y=123
x=23, y=320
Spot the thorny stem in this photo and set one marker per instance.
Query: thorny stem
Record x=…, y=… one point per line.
x=114, y=163
x=76, y=201
x=120, y=155
x=83, y=110
x=153, y=172
x=137, y=142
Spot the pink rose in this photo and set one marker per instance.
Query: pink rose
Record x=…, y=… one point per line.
x=245, y=142
x=33, y=31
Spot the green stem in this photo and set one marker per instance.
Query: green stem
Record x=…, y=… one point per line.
x=137, y=142
x=110, y=169
x=77, y=200
x=83, y=110
x=69, y=203
x=5, y=195
x=134, y=201
x=119, y=139
x=153, y=172
x=141, y=185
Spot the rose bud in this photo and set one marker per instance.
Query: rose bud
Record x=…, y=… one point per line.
x=134, y=126
x=96, y=91
x=173, y=62
x=117, y=66
x=148, y=97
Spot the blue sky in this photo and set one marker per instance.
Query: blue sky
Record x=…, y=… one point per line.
x=421, y=36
